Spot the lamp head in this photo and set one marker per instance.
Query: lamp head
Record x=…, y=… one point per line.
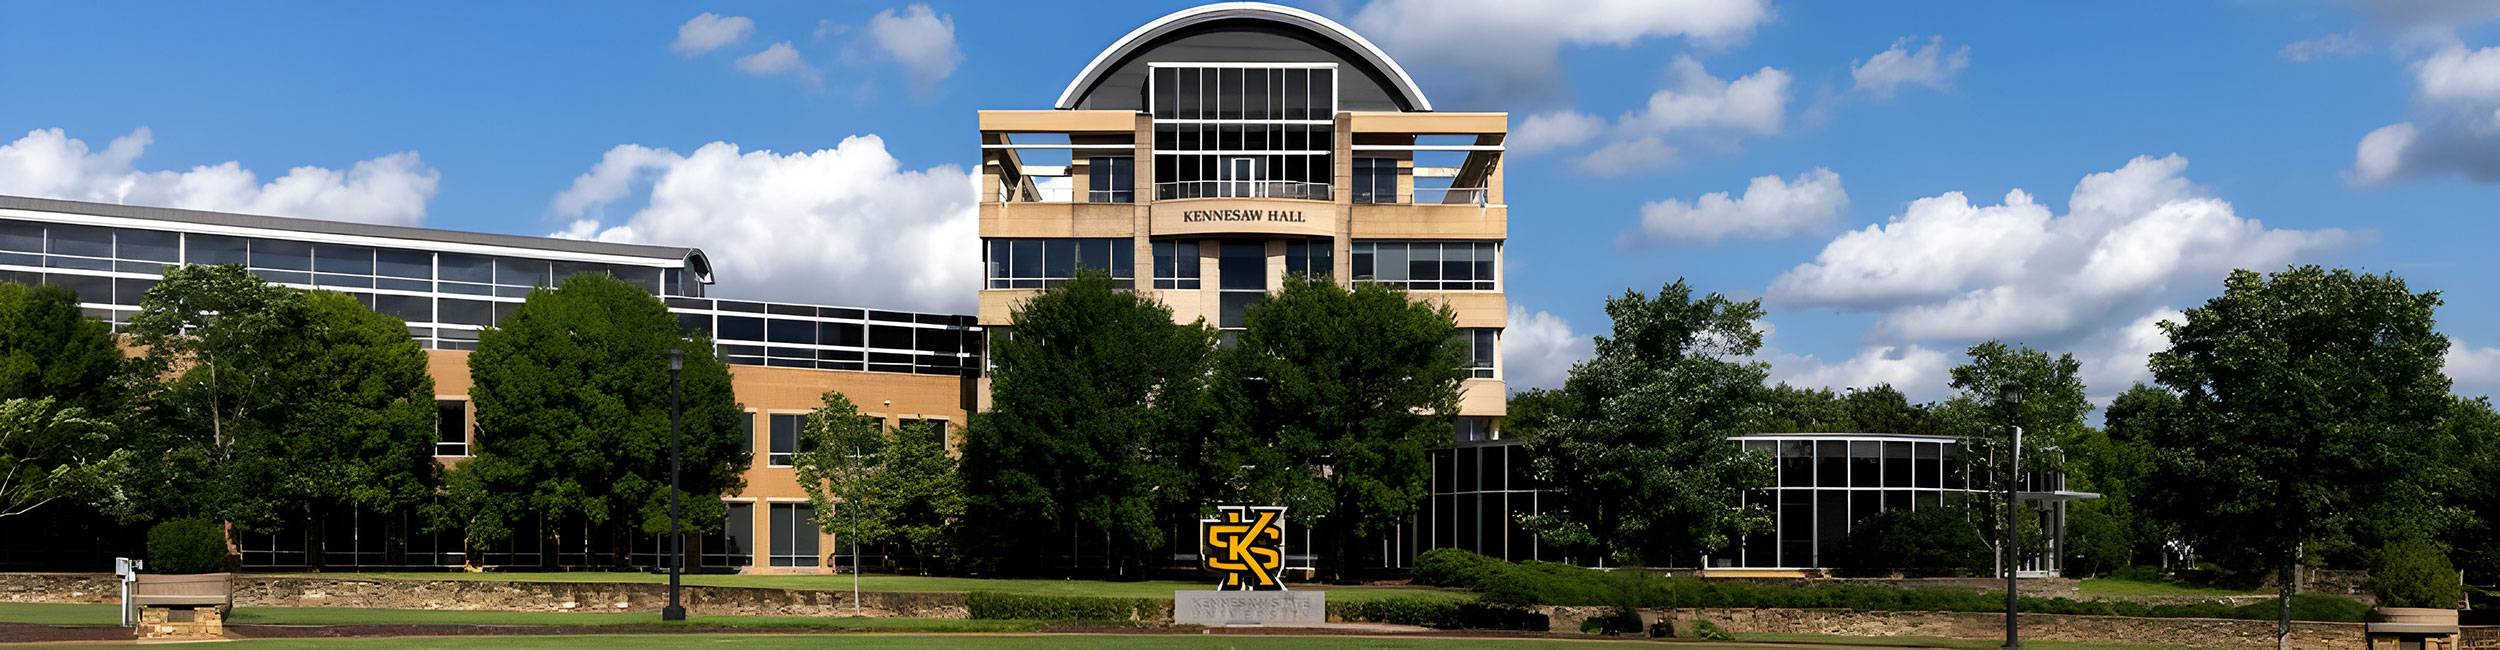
x=2011, y=393
x=676, y=359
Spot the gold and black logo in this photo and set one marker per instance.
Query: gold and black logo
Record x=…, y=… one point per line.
x=1247, y=545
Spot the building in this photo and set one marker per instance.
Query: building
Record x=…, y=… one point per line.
x=898, y=366
x=1827, y=482
x=1206, y=155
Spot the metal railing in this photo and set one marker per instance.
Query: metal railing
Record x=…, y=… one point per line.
x=1451, y=195
x=1243, y=190
x=1031, y=193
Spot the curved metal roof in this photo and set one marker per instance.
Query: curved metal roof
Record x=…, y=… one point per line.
x=1281, y=14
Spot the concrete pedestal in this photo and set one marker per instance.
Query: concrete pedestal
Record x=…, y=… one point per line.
x=1229, y=608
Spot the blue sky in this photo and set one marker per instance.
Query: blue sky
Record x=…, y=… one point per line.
x=2364, y=136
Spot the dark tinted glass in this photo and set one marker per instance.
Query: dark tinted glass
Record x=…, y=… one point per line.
x=281, y=255
x=332, y=258
x=466, y=312
x=1243, y=265
x=521, y=272
x=792, y=331
x=467, y=268
x=88, y=241
x=741, y=328
x=414, y=309
x=21, y=236
x=397, y=263
x=150, y=245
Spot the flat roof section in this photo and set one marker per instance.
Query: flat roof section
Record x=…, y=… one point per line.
x=692, y=258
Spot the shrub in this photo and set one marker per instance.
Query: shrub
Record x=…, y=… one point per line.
x=1924, y=541
x=1439, y=613
x=994, y=605
x=187, y=546
x=1621, y=621
x=1711, y=631
x=2140, y=574
x=1456, y=569
x=2414, y=573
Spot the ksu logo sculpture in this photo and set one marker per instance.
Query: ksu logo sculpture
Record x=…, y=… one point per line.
x=1247, y=545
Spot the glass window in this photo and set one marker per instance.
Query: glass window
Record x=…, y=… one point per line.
x=786, y=429
x=1897, y=465
x=1176, y=264
x=1929, y=463
x=1480, y=352
x=1242, y=266
x=398, y=263
x=519, y=272
x=793, y=535
x=741, y=328
x=1831, y=462
x=83, y=241
x=90, y=288
x=1111, y=179
x=844, y=334
x=466, y=312
x=1865, y=468
x=1026, y=262
x=281, y=255
x=784, y=330
x=148, y=245
x=128, y=291
x=451, y=428
x=21, y=236
x=1310, y=257
x=332, y=258
x=1375, y=180
x=889, y=337
x=736, y=544
x=1235, y=307
x=467, y=268
x=413, y=309
x=1796, y=460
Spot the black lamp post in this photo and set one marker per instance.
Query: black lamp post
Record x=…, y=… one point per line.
x=676, y=536
x=2012, y=400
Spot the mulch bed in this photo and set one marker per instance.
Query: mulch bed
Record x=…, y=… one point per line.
x=35, y=633
x=269, y=631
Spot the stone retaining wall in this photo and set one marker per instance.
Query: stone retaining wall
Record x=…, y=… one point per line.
x=497, y=595
x=2193, y=632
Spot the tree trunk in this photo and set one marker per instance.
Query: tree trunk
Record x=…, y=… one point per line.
x=2286, y=586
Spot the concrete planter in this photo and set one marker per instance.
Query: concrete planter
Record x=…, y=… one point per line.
x=2413, y=616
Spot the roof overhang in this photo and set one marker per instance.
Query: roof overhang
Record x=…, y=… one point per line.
x=1185, y=18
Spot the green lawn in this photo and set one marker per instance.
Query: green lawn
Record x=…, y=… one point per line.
x=2117, y=587
x=64, y=614
x=1015, y=642
x=880, y=582
x=1939, y=642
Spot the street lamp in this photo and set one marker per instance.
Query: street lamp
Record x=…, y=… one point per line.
x=676, y=537
x=2011, y=398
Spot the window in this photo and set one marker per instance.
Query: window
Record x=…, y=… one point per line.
x=1241, y=269
x=746, y=435
x=1176, y=265
x=786, y=429
x=451, y=428
x=1259, y=130
x=1375, y=180
x=1044, y=263
x=793, y=534
x=1471, y=429
x=1480, y=351
x=734, y=546
x=1111, y=179
x=1315, y=257
x=1427, y=265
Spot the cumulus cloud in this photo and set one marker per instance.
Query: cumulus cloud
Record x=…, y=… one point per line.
x=2114, y=360
x=2331, y=45
x=1770, y=209
x=1694, y=104
x=1553, y=130
x=847, y=225
x=1946, y=269
x=1931, y=66
x=710, y=31
x=920, y=40
x=1500, y=52
x=1539, y=349
x=2456, y=128
x=2475, y=371
x=47, y=163
x=781, y=59
x=2427, y=21
x=1915, y=370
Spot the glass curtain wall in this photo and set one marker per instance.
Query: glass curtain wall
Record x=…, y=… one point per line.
x=1260, y=130
x=1826, y=484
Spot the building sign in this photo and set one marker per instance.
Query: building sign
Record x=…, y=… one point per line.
x=1247, y=545
x=1279, y=216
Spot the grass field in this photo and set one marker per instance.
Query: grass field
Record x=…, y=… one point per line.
x=1017, y=642
x=2116, y=587
x=1938, y=642
x=63, y=614
x=879, y=582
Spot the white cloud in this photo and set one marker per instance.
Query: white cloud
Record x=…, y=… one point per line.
x=1931, y=66
x=922, y=41
x=47, y=163
x=1947, y=270
x=2114, y=360
x=847, y=225
x=2331, y=45
x=1539, y=349
x=782, y=59
x=1916, y=371
x=1501, y=52
x=1694, y=104
x=2427, y=21
x=1770, y=209
x=709, y=32
x=1553, y=130
x=2475, y=371
x=2456, y=129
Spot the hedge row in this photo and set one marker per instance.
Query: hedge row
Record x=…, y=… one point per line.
x=1546, y=583
x=998, y=606
x=1438, y=613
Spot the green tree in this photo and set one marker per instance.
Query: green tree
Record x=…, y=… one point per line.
x=49, y=349
x=49, y=453
x=572, y=396
x=2114, y=531
x=276, y=404
x=1091, y=423
x=2470, y=478
x=2306, y=399
x=879, y=488
x=2050, y=413
x=1877, y=409
x=1645, y=465
x=1336, y=395
x=1929, y=539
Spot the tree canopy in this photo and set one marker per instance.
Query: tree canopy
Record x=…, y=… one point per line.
x=1092, y=412
x=49, y=349
x=897, y=488
x=275, y=403
x=572, y=398
x=1333, y=397
x=1643, y=453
